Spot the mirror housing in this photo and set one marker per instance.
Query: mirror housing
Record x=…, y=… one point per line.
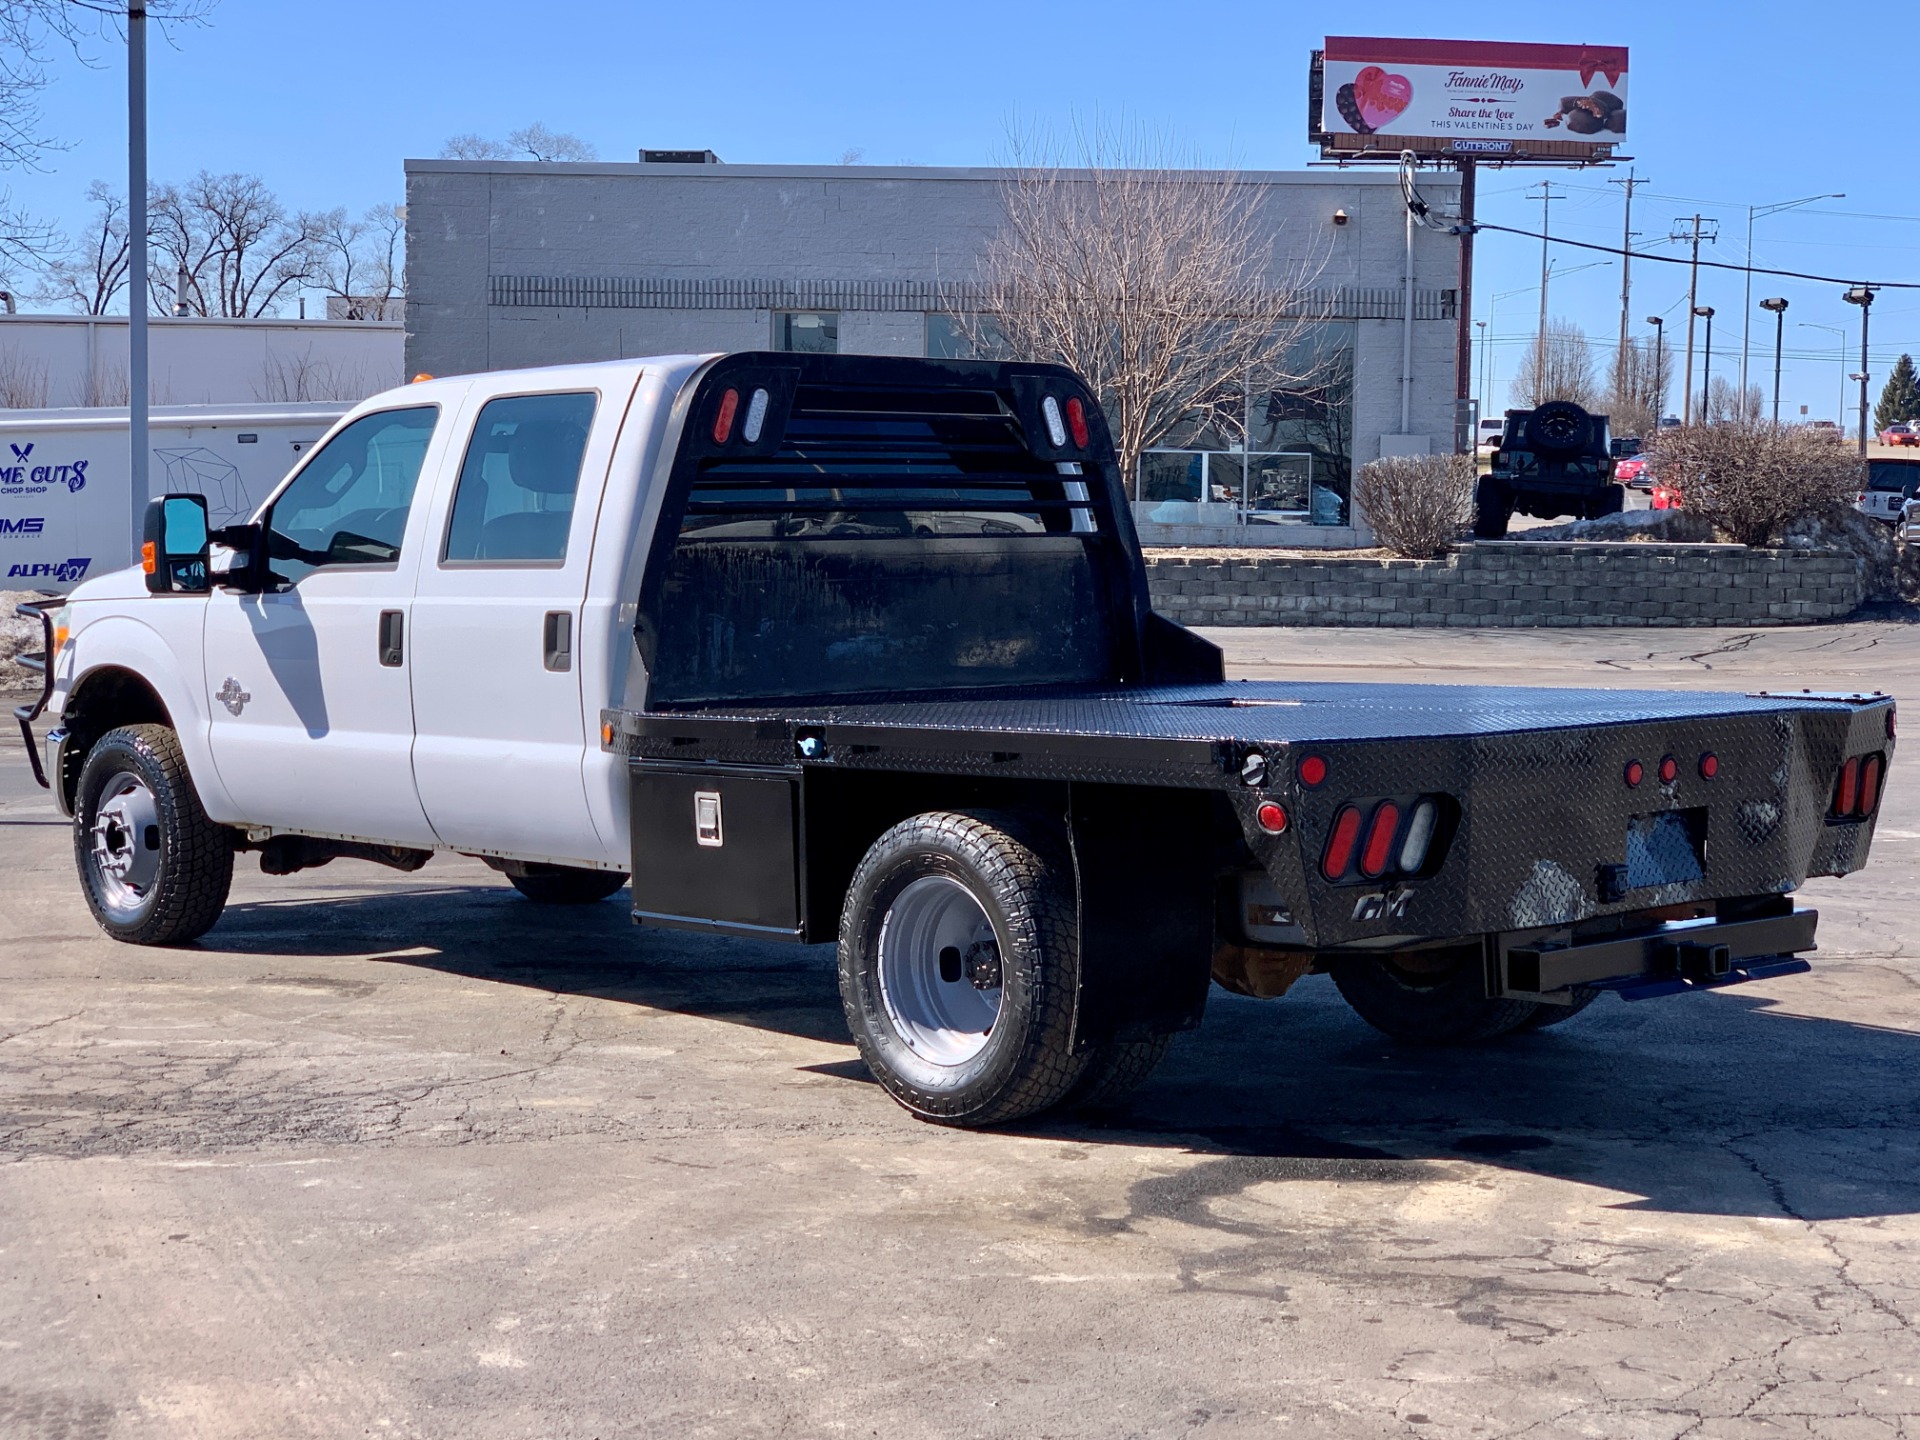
x=246, y=566
x=174, y=544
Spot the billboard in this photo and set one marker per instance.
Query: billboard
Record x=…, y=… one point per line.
x=1468, y=97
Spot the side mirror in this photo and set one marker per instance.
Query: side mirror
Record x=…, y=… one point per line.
x=173, y=547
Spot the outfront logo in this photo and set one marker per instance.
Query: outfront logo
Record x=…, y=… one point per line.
x=61, y=572
x=25, y=525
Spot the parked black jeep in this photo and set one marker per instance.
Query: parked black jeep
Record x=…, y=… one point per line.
x=1554, y=461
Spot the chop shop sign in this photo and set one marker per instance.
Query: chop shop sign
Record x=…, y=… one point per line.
x=1466, y=90
x=23, y=473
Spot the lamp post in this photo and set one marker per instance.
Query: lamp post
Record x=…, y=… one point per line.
x=1755, y=212
x=1705, y=312
x=1862, y=295
x=1482, y=325
x=1778, y=306
x=1841, y=356
x=1659, y=374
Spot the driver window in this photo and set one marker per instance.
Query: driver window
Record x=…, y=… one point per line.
x=348, y=505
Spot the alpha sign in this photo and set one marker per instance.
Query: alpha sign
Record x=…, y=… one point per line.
x=1474, y=97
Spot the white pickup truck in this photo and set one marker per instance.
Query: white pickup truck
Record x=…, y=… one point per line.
x=832, y=648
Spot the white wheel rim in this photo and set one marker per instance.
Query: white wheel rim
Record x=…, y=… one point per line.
x=943, y=1021
x=125, y=842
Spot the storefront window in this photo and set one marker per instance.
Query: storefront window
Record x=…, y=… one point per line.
x=807, y=332
x=964, y=337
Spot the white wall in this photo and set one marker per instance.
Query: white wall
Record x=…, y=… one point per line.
x=60, y=360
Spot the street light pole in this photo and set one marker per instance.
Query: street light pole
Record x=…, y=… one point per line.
x=1778, y=306
x=1840, y=355
x=1862, y=295
x=137, y=386
x=1705, y=312
x=1659, y=375
x=1761, y=211
x=1482, y=324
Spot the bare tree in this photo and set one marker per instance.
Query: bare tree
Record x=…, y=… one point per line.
x=228, y=247
x=1725, y=402
x=23, y=381
x=1639, y=391
x=1754, y=480
x=1158, y=285
x=469, y=146
x=1561, y=368
x=30, y=32
x=360, y=261
x=534, y=142
x=89, y=274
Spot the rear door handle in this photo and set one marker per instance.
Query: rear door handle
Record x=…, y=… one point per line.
x=556, y=640
x=392, y=633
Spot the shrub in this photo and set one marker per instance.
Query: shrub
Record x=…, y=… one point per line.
x=1753, y=480
x=1417, y=504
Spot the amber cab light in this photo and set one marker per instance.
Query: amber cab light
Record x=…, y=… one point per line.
x=1272, y=818
x=1339, y=853
x=723, y=421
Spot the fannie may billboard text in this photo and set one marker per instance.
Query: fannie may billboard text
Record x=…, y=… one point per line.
x=1465, y=91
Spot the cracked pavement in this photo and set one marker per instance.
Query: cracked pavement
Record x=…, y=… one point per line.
x=402, y=1155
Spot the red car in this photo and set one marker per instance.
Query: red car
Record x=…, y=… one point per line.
x=1632, y=471
x=1900, y=433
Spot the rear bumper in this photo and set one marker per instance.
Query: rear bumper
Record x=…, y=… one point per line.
x=1686, y=955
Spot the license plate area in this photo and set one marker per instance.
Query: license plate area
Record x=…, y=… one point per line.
x=1666, y=848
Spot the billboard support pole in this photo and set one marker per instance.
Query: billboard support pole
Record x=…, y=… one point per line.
x=137, y=387
x=1463, y=339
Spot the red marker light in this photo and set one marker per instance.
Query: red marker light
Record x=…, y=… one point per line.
x=1272, y=818
x=723, y=422
x=1386, y=824
x=1669, y=770
x=1077, y=421
x=1709, y=765
x=1635, y=773
x=1313, y=771
x=1339, y=854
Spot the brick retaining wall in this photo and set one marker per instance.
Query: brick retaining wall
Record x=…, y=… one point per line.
x=1515, y=583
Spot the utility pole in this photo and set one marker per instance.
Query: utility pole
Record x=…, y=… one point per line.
x=1463, y=338
x=137, y=388
x=1547, y=197
x=1862, y=295
x=1626, y=278
x=1696, y=232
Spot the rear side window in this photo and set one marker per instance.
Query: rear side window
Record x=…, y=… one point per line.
x=1892, y=475
x=349, y=503
x=518, y=481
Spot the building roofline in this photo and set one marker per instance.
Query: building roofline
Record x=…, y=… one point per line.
x=188, y=322
x=599, y=168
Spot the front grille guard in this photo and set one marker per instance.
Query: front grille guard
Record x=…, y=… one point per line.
x=41, y=610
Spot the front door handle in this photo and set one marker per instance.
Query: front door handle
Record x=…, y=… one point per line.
x=556, y=640
x=392, y=632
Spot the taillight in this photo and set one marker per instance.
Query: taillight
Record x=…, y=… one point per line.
x=1339, y=853
x=1669, y=770
x=1272, y=817
x=1077, y=421
x=723, y=421
x=1848, y=791
x=1379, y=848
x=1312, y=771
x=1634, y=773
x=1870, y=771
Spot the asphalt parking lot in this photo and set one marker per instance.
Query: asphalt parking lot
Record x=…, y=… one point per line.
x=404, y=1156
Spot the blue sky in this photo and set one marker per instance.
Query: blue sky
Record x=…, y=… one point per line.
x=1733, y=105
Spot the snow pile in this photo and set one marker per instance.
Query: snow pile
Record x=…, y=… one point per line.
x=1672, y=527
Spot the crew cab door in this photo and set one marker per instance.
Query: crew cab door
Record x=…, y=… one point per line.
x=500, y=733
x=312, y=716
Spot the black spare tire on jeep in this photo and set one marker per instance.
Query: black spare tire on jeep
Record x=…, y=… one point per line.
x=1559, y=427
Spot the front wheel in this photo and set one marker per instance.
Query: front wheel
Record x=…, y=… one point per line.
x=155, y=870
x=958, y=964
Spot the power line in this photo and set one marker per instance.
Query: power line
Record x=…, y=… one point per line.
x=1707, y=264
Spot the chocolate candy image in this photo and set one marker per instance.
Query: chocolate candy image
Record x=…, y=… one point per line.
x=1348, y=105
x=1590, y=114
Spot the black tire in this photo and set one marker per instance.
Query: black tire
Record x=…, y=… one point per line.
x=1428, y=1006
x=954, y=1050
x=1559, y=427
x=1116, y=1071
x=1492, y=509
x=155, y=870
x=561, y=884
x=1545, y=1017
